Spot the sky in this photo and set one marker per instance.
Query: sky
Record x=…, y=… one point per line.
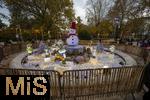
x=79, y=7
x=5, y=12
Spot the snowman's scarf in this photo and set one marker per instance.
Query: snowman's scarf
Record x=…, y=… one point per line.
x=71, y=35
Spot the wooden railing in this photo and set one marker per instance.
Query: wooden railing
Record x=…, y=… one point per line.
x=91, y=84
x=52, y=76
x=87, y=84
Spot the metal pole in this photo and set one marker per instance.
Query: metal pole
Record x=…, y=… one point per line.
x=117, y=21
x=116, y=32
x=21, y=34
x=42, y=33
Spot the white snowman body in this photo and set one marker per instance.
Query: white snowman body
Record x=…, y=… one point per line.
x=73, y=39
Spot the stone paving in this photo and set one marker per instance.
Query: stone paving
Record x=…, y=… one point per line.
x=6, y=61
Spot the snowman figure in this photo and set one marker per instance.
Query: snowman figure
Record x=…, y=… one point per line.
x=72, y=39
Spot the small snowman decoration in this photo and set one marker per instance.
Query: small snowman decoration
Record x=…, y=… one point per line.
x=112, y=48
x=29, y=48
x=72, y=39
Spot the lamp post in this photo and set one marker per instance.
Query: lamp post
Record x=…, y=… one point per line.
x=116, y=22
x=19, y=32
x=41, y=28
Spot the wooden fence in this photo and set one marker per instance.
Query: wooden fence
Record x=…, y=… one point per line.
x=89, y=84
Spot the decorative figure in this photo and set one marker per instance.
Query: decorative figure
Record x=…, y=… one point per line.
x=59, y=58
x=99, y=47
x=72, y=39
x=89, y=52
x=62, y=52
x=112, y=49
x=46, y=52
x=29, y=48
x=41, y=47
x=94, y=52
x=82, y=58
x=79, y=59
x=60, y=43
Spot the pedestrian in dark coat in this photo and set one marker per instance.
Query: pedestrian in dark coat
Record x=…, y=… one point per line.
x=146, y=81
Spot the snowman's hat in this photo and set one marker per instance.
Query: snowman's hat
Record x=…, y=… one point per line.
x=73, y=25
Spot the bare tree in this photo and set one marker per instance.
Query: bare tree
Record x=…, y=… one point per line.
x=97, y=10
x=1, y=6
x=2, y=14
x=126, y=10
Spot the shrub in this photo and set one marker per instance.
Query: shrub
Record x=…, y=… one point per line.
x=84, y=35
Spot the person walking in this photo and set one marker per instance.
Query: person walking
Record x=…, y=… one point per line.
x=146, y=79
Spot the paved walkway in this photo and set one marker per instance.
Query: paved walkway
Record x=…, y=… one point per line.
x=6, y=61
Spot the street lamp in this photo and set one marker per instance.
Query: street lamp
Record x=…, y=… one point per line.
x=18, y=31
x=116, y=22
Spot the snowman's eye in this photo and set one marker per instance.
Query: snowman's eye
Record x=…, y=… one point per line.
x=72, y=39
